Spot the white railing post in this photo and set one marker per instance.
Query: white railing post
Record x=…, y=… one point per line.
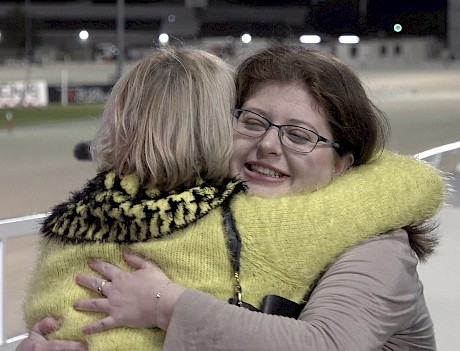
x=12, y=228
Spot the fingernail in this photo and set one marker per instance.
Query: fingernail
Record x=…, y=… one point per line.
x=58, y=324
x=92, y=261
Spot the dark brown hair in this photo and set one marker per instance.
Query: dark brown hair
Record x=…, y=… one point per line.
x=356, y=123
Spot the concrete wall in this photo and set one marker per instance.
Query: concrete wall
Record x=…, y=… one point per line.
x=385, y=52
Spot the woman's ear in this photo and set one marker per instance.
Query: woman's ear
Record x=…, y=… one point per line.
x=343, y=163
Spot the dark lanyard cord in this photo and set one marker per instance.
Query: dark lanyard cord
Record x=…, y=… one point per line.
x=234, y=245
x=233, y=236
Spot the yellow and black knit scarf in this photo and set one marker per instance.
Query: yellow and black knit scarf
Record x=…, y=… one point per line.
x=118, y=209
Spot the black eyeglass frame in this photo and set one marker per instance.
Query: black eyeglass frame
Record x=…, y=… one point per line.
x=236, y=112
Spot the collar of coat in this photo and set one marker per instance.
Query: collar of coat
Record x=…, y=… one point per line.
x=118, y=209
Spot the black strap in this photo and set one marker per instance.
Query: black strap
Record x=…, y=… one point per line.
x=233, y=236
x=274, y=304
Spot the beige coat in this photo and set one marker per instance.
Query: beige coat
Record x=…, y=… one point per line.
x=370, y=299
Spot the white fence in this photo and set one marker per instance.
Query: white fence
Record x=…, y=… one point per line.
x=13, y=228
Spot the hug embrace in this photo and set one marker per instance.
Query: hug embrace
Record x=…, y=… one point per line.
x=215, y=185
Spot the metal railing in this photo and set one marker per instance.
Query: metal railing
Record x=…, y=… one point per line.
x=23, y=226
x=435, y=155
x=13, y=228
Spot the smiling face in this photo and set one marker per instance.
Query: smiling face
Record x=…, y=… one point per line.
x=265, y=164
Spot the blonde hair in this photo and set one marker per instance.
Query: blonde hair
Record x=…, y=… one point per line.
x=168, y=119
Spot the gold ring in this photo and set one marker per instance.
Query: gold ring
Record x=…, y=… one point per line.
x=101, y=286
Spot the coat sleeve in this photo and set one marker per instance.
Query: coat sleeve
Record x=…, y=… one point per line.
x=368, y=295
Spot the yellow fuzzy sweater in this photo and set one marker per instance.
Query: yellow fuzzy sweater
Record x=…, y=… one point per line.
x=286, y=241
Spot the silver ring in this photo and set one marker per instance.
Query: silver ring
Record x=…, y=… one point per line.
x=101, y=286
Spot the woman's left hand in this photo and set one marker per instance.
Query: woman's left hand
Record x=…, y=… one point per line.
x=131, y=299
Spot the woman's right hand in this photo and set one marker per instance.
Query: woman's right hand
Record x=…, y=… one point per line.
x=36, y=341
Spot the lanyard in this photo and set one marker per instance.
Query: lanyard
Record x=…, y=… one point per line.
x=234, y=245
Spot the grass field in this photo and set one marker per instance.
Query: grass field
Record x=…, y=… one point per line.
x=53, y=112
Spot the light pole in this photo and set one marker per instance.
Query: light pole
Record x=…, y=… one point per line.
x=362, y=5
x=120, y=37
x=28, y=31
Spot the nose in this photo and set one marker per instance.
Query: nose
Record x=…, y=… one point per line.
x=270, y=143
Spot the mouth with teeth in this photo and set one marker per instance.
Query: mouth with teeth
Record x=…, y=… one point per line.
x=267, y=172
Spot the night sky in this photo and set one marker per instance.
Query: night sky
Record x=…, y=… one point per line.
x=418, y=17
x=426, y=17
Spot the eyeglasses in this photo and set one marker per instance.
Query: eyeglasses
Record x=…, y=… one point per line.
x=295, y=138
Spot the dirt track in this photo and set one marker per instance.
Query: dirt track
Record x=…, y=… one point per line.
x=37, y=171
